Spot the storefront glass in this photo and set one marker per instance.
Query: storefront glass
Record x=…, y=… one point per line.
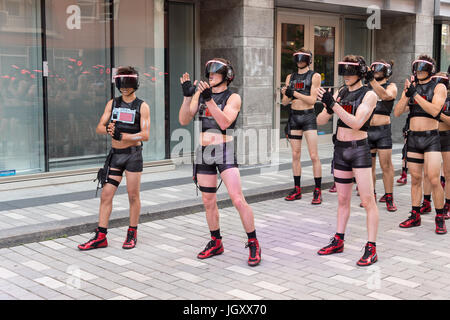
x=21, y=116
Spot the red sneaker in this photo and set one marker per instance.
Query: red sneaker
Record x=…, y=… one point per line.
x=403, y=178
x=254, y=257
x=317, y=196
x=370, y=256
x=383, y=198
x=333, y=188
x=443, y=182
x=440, y=224
x=213, y=248
x=131, y=240
x=98, y=241
x=413, y=220
x=425, y=207
x=295, y=194
x=390, y=205
x=336, y=246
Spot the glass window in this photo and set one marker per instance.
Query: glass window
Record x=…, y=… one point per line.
x=139, y=42
x=21, y=116
x=78, y=82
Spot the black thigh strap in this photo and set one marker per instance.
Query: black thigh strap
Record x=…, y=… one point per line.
x=113, y=182
x=290, y=136
x=414, y=160
x=343, y=181
x=208, y=189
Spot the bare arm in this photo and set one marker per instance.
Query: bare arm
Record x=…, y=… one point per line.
x=446, y=119
x=285, y=100
x=402, y=104
x=388, y=94
x=186, y=113
x=363, y=113
x=101, y=126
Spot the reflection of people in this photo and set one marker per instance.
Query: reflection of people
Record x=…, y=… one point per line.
x=130, y=126
x=425, y=99
x=217, y=108
x=379, y=134
x=444, y=134
x=353, y=105
x=301, y=90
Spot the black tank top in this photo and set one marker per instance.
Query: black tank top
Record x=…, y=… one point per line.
x=426, y=91
x=384, y=107
x=302, y=82
x=127, y=115
x=350, y=101
x=208, y=121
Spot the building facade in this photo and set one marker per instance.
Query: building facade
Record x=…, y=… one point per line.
x=57, y=58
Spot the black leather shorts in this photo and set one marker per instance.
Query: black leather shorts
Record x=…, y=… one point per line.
x=351, y=154
x=445, y=140
x=129, y=159
x=302, y=120
x=209, y=159
x=424, y=141
x=380, y=137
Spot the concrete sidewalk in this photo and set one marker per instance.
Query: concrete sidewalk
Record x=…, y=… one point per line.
x=30, y=213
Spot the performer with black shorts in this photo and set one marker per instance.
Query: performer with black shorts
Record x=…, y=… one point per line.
x=354, y=105
x=302, y=93
x=217, y=109
x=424, y=99
x=444, y=134
x=380, y=134
x=127, y=120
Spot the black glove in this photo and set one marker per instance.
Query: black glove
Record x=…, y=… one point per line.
x=329, y=101
x=370, y=75
x=117, y=134
x=207, y=94
x=411, y=91
x=289, y=92
x=188, y=88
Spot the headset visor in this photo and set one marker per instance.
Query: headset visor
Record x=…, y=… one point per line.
x=126, y=81
x=422, y=65
x=379, y=67
x=302, y=57
x=349, y=69
x=215, y=66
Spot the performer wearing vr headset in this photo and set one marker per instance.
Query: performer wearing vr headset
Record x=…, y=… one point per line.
x=217, y=109
x=354, y=105
x=302, y=93
x=424, y=98
x=379, y=134
x=444, y=134
x=127, y=120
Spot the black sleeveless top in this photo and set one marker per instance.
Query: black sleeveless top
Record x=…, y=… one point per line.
x=384, y=107
x=302, y=82
x=426, y=91
x=350, y=101
x=208, y=121
x=127, y=115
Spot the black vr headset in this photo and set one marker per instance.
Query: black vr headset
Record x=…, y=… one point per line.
x=127, y=81
x=441, y=79
x=303, y=57
x=347, y=68
x=423, y=65
x=385, y=68
x=225, y=69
